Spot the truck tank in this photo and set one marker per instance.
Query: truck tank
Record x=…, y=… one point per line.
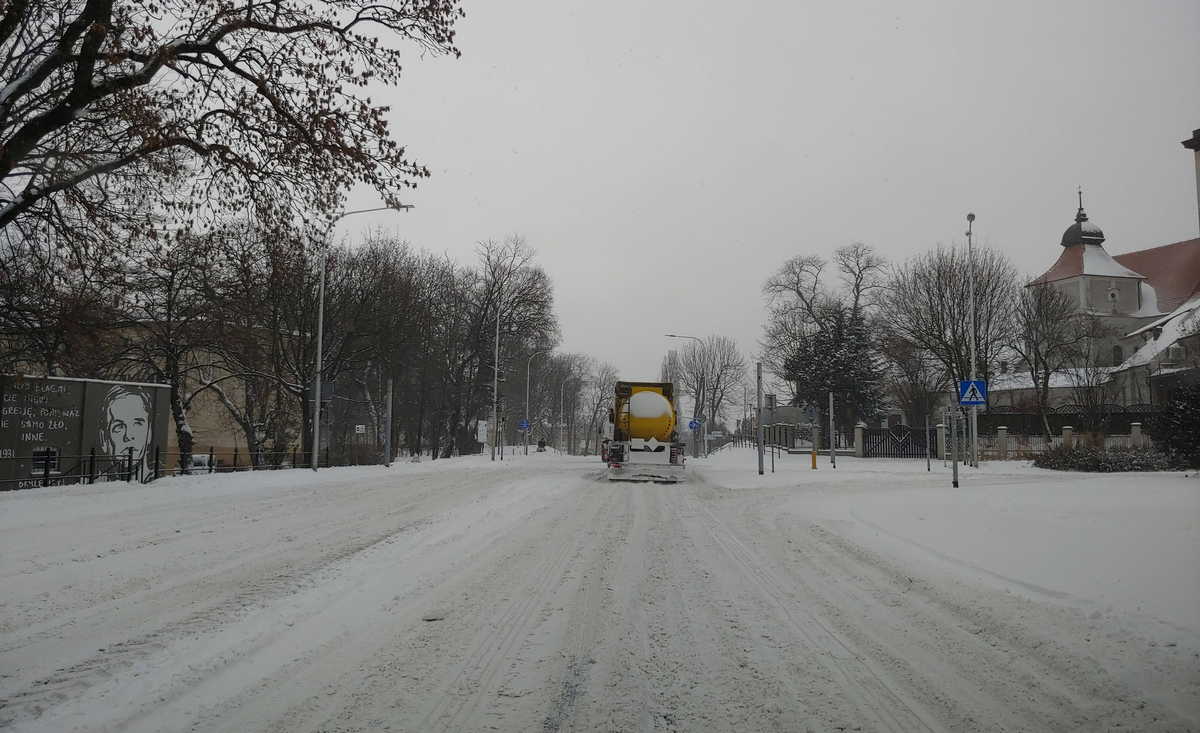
x=644, y=446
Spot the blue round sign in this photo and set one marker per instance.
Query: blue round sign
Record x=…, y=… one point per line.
x=523, y=425
x=694, y=424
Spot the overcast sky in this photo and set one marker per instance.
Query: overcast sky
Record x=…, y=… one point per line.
x=664, y=157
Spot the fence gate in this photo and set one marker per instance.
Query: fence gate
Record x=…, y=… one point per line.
x=899, y=441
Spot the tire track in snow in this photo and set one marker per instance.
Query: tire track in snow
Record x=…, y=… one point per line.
x=478, y=676
x=889, y=708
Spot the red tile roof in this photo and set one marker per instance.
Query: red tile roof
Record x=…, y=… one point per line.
x=1173, y=270
x=1069, y=264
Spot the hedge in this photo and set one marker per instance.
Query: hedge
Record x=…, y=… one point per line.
x=1085, y=458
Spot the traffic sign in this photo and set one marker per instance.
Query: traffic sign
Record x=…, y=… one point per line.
x=972, y=392
x=694, y=424
x=523, y=425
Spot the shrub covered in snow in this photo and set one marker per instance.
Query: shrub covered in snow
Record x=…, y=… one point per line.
x=1088, y=458
x=1177, y=429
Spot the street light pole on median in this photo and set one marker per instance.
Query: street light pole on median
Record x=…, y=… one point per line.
x=496, y=376
x=528, y=362
x=316, y=428
x=971, y=296
x=699, y=394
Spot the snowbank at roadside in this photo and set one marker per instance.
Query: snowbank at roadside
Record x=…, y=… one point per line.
x=1102, y=543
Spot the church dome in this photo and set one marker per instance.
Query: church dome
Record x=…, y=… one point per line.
x=1082, y=231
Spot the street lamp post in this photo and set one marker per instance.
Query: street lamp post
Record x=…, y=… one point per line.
x=316, y=429
x=528, y=362
x=971, y=296
x=699, y=394
x=496, y=376
x=562, y=422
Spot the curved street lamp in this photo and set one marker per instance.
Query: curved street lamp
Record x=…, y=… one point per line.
x=316, y=428
x=699, y=393
x=528, y=362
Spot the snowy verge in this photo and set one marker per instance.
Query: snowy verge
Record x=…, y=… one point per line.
x=1102, y=543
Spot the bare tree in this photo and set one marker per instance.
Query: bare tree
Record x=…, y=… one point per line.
x=927, y=304
x=166, y=327
x=914, y=377
x=597, y=396
x=1046, y=338
x=1090, y=376
x=56, y=308
x=261, y=104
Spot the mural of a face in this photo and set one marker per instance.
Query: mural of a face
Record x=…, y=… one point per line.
x=126, y=422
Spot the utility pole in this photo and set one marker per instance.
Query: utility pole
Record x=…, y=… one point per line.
x=758, y=422
x=561, y=419
x=974, y=428
x=496, y=373
x=316, y=426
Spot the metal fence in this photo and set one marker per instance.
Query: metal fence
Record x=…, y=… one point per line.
x=53, y=469
x=49, y=468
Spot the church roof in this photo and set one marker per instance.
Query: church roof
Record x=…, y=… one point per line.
x=1173, y=270
x=1087, y=259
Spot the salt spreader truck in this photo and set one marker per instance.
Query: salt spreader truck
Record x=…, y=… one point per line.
x=645, y=445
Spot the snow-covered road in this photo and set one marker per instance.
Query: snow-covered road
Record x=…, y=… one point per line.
x=532, y=595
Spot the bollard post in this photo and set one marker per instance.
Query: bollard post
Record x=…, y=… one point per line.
x=832, y=435
x=211, y=463
x=927, y=467
x=1002, y=439
x=954, y=446
x=1068, y=437
x=46, y=468
x=92, y=468
x=327, y=463
x=235, y=458
x=293, y=457
x=156, y=450
x=1135, y=435
x=859, y=447
x=129, y=466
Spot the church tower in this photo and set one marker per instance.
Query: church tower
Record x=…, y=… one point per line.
x=1096, y=282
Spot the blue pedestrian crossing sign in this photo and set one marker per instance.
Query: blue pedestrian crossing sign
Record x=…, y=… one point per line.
x=694, y=424
x=972, y=392
x=523, y=425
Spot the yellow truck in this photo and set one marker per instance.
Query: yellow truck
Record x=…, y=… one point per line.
x=645, y=445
